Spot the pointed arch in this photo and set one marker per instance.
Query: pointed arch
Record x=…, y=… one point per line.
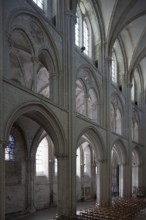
x=38, y=20
x=92, y=93
x=39, y=113
x=121, y=151
x=89, y=33
x=95, y=139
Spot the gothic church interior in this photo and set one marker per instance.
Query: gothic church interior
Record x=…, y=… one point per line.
x=72, y=97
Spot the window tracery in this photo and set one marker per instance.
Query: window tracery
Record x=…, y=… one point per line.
x=87, y=98
x=82, y=30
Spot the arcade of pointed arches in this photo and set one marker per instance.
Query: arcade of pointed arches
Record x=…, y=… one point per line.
x=40, y=75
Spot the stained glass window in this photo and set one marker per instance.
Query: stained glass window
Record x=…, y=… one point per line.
x=9, y=150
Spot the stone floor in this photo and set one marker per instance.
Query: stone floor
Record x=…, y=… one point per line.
x=49, y=214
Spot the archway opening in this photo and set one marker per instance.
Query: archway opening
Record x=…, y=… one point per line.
x=135, y=173
x=87, y=172
x=31, y=168
x=115, y=173
x=46, y=170
x=118, y=169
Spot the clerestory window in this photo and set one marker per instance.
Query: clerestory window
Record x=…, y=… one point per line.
x=86, y=38
x=136, y=89
x=77, y=32
x=114, y=68
x=40, y=3
x=133, y=90
x=83, y=31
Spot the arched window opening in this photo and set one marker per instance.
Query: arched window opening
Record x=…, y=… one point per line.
x=135, y=127
x=42, y=158
x=118, y=122
x=115, y=172
x=87, y=159
x=40, y=3
x=77, y=31
x=78, y=163
x=136, y=89
x=133, y=90
x=45, y=76
x=54, y=11
x=83, y=30
x=113, y=121
x=56, y=166
x=87, y=98
x=46, y=181
x=80, y=98
x=92, y=105
x=43, y=83
x=116, y=115
x=114, y=68
x=86, y=37
x=9, y=150
x=135, y=172
x=86, y=170
x=135, y=131
x=15, y=171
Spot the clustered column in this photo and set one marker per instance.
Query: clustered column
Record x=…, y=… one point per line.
x=63, y=169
